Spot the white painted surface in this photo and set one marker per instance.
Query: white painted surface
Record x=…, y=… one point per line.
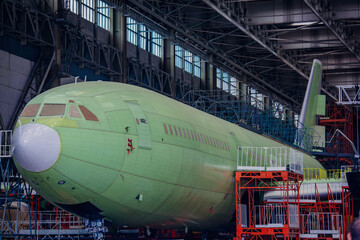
x=36, y=147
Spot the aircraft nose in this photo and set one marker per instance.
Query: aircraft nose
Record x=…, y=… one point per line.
x=36, y=147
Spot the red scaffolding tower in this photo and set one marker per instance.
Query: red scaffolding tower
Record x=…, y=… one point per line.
x=267, y=221
x=338, y=117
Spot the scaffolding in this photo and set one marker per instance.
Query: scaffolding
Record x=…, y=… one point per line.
x=250, y=113
x=274, y=201
x=339, y=118
x=268, y=220
x=21, y=216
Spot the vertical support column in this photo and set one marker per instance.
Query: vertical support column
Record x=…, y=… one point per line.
x=251, y=208
x=203, y=74
x=169, y=63
x=121, y=42
x=210, y=80
x=266, y=103
x=57, y=33
x=115, y=39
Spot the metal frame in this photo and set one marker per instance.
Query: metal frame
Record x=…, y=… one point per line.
x=262, y=181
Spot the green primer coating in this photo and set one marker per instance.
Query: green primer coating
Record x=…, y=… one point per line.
x=186, y=178
x=312, y=108
x=321, y=103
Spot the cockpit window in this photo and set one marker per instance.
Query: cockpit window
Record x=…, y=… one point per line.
x=88, y=114
x=30, y=110
x=74, y=112
x=53, y=110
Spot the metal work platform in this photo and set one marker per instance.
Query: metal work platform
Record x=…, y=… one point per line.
x=269, y=159
x=273, y=201
x=251, y=113
x=267, y=220
x=262, y=170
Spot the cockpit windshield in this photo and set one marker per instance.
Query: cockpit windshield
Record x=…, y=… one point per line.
x=30, y=110
x=53, y=110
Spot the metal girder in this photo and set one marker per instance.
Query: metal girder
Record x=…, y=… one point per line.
x=344, y=96
x=221, y=8
x=336, y=28
x=198, y=45
x=87, y=51
x=155, y=79
x=29, y=26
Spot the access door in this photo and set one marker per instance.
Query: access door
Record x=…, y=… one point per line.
x=142, y=125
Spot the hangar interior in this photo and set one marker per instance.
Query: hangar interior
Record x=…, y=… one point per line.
x=245, y=61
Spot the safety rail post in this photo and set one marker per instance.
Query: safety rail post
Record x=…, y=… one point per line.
x=347, y=209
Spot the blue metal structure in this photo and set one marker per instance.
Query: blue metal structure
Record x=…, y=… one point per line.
x=247, y=112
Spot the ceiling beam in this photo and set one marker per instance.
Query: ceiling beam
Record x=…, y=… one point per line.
x=325, y=16
x=230, y=15
x=179, y=33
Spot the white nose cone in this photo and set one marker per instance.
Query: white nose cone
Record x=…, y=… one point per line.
x=36, y=147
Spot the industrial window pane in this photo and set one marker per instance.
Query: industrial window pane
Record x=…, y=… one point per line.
x=53, y=110
x=188, y=59
x=178, y=56
x=180, y=132
x=103, y=15
x=74, y=112
x=233, y=86
x=143, y=32
x=131, y=30
x=197, y=66
x=88, y=114
x=72, y=5
x=226, y=80
x=171, y=131
x=175, y=130
x=156, y=44
x=30, y=110
x=87, y=9
x=218, y=78
x=165, y=128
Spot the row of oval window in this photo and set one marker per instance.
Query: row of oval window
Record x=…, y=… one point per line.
x=195, y=136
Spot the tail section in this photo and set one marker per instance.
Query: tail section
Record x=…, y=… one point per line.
x=310, y=104
x=313, y=105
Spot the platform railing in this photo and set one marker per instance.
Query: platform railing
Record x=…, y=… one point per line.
x=269, y=159
x=314, y=173
x=275, y=215
x=5, y=143
x=47, y=223
x=321, y=223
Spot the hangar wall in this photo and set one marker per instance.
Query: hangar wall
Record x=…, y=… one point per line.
x=14, y=73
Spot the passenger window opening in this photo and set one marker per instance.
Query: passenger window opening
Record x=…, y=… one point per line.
x=30, y=110
x=184, y=133
x=50, y=110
